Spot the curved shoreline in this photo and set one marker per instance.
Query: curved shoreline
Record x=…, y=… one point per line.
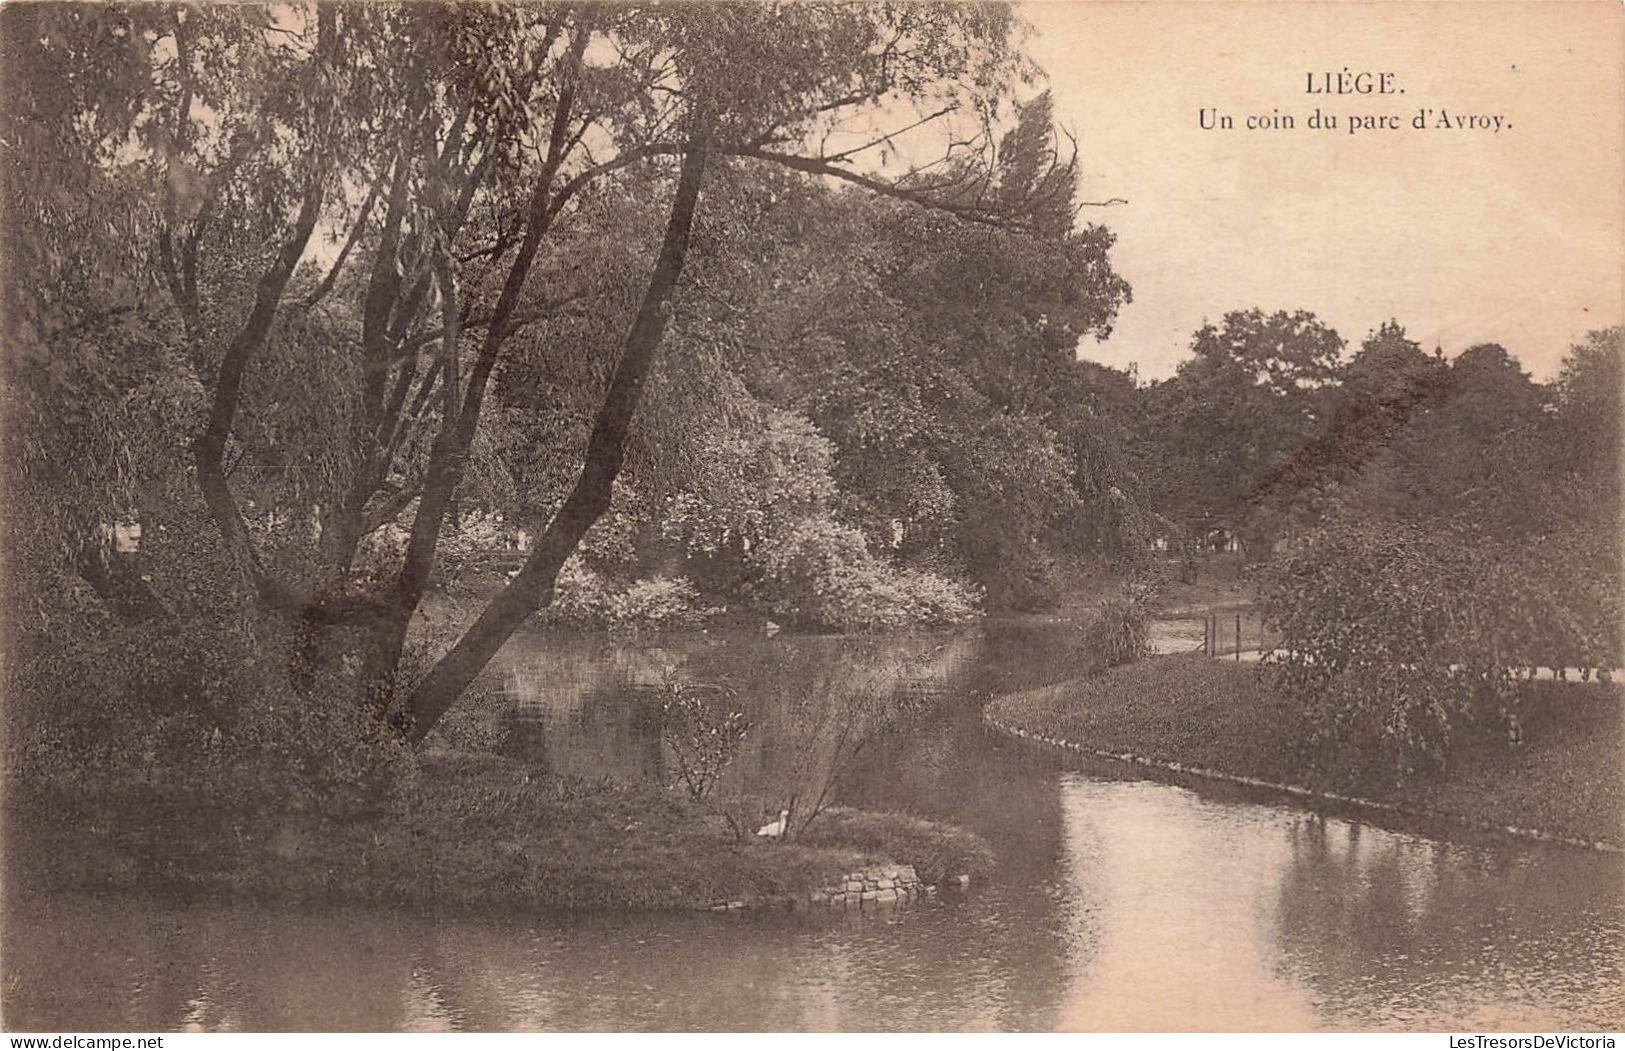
x=1358, y=802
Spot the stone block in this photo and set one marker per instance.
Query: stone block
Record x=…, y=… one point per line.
x=884, y=884
x=870, y=895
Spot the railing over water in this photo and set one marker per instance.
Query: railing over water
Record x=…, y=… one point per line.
x=1233, y=632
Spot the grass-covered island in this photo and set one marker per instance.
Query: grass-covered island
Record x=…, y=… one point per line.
x=1565, y=778
x=459, y=829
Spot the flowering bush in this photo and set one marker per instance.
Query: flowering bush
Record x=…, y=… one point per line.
x=821, y=573
x=754, y=482
x=664, y=601
x=582, y=597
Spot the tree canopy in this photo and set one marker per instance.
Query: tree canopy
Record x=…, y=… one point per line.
x=372, y=261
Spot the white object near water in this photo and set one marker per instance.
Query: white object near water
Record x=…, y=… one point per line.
x=775, y=829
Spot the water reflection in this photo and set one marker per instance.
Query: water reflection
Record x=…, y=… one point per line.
x=1152, y=908
x=1492, y=937
x=1116, y=904
x=591, y=708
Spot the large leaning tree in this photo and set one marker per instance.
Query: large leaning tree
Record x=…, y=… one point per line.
x=349, y=212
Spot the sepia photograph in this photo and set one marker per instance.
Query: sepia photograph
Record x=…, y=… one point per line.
x=729, y=516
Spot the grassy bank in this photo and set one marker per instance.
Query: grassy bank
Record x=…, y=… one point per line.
x=465, y=830
x=1219, y=715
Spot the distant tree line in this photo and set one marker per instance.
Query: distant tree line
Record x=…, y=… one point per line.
x=1430, y=530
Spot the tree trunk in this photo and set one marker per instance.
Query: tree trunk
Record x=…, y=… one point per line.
x=532, y=588
x=448, y=456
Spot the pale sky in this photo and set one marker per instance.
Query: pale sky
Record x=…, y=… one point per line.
x=1516, y=237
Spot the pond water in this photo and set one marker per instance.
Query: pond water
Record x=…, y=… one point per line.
x=1116, y=903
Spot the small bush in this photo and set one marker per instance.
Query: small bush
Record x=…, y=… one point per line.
x=474, y=541
x=657, y=601
x=1024, y=580
x=937, y=600
x=584, y=598
x=825, y=709
x=580, y=595
x=819, y=573
x=1119, y=630
x=703, y=733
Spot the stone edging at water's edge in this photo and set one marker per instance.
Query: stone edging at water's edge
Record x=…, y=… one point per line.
x=1300, y=792
x=879, y=887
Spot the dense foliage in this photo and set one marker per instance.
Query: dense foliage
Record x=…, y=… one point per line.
x=336, y=285
x=1465, y=550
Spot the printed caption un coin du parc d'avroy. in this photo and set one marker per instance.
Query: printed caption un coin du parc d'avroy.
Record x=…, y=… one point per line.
x=1355, y=86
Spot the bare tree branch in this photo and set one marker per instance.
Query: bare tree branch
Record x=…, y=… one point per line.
x=835, y=158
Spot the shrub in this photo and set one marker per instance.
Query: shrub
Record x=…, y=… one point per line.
x=827, y=707
x=1565, y=600
x=580, y=595
x=703, y=735
x=586, y=599
x=1119, y=629
x=658, y=602
x=751, y=483
x=1396, y=637
x=477, y=538
x=1024, y=579
x=191, y=709
x=935, y=599
x=819, y=573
